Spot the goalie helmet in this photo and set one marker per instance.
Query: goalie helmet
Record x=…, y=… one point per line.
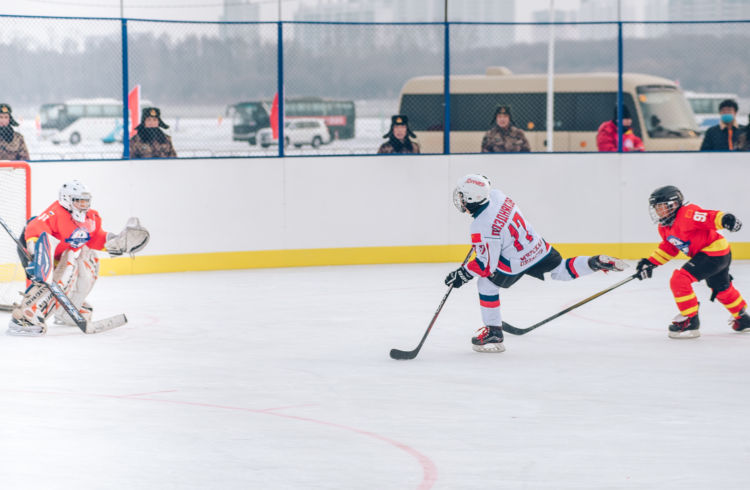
x=471, y=192
x=75, y=197
x=664, y=203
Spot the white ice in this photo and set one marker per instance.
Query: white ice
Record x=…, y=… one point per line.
x=281, y=379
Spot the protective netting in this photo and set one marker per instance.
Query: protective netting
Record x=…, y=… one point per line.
x=14, y=208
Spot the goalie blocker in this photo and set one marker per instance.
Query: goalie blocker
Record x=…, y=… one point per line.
x=78, y=229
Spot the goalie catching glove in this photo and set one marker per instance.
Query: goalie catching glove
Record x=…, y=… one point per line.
x=130, y=240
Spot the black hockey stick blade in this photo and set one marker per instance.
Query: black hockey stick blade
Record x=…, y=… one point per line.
x=521, y=331
x=404, y=355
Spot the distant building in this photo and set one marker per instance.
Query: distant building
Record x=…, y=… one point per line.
x=428, y=36
x=239, y=11
x=631, y=11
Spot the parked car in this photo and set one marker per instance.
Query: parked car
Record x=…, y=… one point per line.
x=298, y=132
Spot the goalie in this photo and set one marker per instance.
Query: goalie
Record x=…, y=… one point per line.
x=79, y=230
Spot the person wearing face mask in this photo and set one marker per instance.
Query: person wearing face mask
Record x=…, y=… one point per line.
x=606, y=136
x=725, y=135
x=399, y=137
x=12, y=144
x=150, y=141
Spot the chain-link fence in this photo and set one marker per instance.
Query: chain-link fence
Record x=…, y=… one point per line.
x=77, y=86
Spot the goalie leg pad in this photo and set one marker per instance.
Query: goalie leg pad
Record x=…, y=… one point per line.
x=77, y=280
x=36, y=305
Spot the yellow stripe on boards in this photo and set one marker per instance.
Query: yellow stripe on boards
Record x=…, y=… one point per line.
x=152, y=264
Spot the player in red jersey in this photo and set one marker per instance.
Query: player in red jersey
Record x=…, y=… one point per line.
x=78, y=228
x=693, y=231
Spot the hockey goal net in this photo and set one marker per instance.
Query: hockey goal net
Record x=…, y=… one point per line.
x=15, y=209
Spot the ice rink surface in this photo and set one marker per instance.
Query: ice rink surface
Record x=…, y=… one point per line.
x=281, y=379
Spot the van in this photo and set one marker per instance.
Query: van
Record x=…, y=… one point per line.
x=661, y=115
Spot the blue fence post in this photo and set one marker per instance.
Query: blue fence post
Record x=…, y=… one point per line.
x=125, y=129
x=447, y=92
x=280, y=85
x=619, y=87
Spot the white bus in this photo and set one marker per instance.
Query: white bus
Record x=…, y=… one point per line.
x=662, y=118
x=83, y=120
x=706, y=108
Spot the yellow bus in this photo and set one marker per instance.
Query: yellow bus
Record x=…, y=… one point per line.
x=661, y=115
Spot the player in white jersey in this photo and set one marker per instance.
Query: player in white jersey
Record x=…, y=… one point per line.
x=506, y=248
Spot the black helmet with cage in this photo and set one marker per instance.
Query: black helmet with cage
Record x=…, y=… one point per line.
x=664, y=203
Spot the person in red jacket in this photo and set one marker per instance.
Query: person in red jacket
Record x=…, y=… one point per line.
x=78, y=228
x=606, y=137
x=693, y=231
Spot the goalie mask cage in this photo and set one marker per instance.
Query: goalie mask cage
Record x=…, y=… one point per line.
x=15, y=209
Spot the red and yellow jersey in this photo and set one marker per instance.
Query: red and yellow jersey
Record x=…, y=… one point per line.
x=694, y=230
x=59, y=223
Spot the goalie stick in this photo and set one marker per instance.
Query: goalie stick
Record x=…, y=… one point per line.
x=86, y=327
x=402, y=355
x=508, y=328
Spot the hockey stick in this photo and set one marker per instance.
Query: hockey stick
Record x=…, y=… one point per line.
x=411, y=354
x=94, y=327
x=521, y=331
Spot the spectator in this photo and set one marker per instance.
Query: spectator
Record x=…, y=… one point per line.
x=503, y=137
x=12, y=144
x=606, y=136
x=150, y=141
x=399, y=137
x=725, y=135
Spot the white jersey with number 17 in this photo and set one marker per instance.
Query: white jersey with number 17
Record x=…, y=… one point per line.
x=503, y=240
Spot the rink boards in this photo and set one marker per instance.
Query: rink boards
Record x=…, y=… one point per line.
x=213, y=214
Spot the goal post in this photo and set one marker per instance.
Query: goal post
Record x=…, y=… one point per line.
x=15, y=209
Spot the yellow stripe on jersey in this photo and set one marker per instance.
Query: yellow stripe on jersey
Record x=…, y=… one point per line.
x=661, y=256
x=717, y=246
x=717, y=221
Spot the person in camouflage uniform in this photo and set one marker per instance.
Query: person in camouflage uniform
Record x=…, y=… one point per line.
x=150, y=141
x=12, y=144
x=399, y=137
x=503, y=136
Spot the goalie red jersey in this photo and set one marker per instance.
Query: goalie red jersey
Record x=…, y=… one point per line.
x=58, y=222
x=693, y=230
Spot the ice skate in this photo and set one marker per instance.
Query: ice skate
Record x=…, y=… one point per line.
x=488, y=339
x=24, y=328
x=606, y=263
x=683, y=327
x=741, y=323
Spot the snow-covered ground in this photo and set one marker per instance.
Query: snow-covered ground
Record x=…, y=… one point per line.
x=281, y=379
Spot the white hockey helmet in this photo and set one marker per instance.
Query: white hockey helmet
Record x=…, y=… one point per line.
x=76, y=198
x=471, y=191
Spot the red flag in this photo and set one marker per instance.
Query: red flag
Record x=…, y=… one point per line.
x=275, y=116
x=134, y=108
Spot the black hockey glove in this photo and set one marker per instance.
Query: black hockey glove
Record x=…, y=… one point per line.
x=644, y=269
x=731, y=222
x=458, y=277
